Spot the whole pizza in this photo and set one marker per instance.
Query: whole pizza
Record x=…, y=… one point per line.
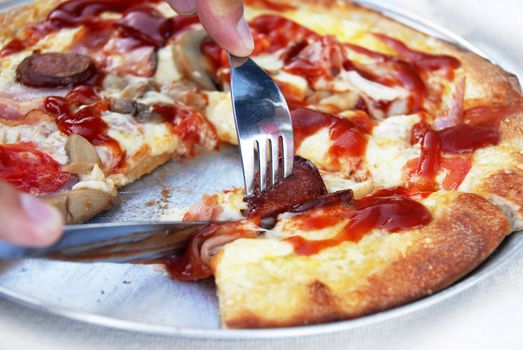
x=409, y=150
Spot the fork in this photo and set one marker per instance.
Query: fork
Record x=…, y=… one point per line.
x=263, y=124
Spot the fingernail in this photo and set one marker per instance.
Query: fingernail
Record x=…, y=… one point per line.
x=185, y=7
x=245, y=34
x=45, y=217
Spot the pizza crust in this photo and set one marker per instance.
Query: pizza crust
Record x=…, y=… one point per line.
x=262, y=283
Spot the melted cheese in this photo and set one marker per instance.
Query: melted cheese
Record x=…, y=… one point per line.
x=96, y=180
x=133, y=136
x=166, y=70
x=219, y=113
x=45, y=135
x=389, y=149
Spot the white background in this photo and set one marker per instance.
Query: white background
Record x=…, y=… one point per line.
x=488, y=316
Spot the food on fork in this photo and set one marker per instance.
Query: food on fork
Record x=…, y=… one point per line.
x=413, y=173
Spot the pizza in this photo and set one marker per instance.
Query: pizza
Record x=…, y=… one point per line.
x=409, y=150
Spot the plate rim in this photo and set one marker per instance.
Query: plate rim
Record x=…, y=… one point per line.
x=504, y=253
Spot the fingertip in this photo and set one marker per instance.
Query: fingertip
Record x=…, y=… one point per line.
x=44, y=223
x=225, y=23
x=183, y=7
x=246, y=44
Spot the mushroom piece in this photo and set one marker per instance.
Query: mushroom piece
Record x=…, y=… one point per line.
x=82, y=155
x=190, y=60
x=80, y=205
x=140, y=111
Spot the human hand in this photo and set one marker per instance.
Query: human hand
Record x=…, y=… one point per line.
x=223, y=20
x=27, y=221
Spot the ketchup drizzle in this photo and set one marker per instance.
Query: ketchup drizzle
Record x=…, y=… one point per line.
x=348, y=135
x=140, y=22
x=87, y=121
x=391, y=210
x=462, y=139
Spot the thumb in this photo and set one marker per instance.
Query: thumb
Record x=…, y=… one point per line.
x=224, y=21
x=27, y=221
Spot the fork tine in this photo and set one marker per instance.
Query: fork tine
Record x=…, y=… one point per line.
x=247, y=154
x=288, y=155
x=275, y=158
x=262, y=159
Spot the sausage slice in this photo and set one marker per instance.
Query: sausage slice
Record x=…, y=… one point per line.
x=303, y=185
x=54, y=70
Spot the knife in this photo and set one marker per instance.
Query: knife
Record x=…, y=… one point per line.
x=142, y=242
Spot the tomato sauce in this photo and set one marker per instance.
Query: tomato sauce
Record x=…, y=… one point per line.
x=463, y=139
x=30, y=170
x=348, y=136
x=391, y=210
x=186, y=122
x=87, y=121
x=140, y=22
x=191, y=265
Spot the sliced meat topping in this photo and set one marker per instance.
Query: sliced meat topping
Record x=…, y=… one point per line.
x=303, y=185
x=55, y=70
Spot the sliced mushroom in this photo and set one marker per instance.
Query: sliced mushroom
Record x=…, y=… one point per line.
x=59, y=201
x=190, y=60
x=140, y=111
x=122, y=105
x=82, y=155
x=80, y=205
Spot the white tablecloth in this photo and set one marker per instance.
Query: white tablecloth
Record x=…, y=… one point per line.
x=488, y=316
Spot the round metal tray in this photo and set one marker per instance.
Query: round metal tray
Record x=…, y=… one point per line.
x=142, y=299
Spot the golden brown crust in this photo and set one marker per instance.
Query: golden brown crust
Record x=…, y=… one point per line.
x=507, y=185
x=146, y=164
x=465, y=230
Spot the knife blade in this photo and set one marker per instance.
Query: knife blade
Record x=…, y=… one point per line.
x=141, y=242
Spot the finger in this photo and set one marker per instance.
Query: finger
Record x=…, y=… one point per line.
x=183, y=7
x=27, y=221
x=224, y=21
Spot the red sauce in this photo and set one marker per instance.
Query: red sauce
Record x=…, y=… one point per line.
x=140, y=22
x=279, y=32
x=30, y=170
x=391, y=71
x=186, y=123
x=456, y=169
x=462, y=139
x=146, y=25
x=466, y=138
x=491, y=115
x=271, y=5
x=191, y=265
x=390, y=210
x=323, y=58
x=421, y=60
x=429, y=162
x=348, y=135
x=86, y=121
x=270, y=33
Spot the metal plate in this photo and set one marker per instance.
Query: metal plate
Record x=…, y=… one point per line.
x=142, y=299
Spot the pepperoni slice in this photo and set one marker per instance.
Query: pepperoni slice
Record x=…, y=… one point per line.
x=53, y=70
x=31, y=170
